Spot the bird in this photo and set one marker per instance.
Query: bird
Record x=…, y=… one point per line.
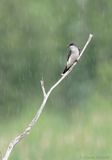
x=73, y=55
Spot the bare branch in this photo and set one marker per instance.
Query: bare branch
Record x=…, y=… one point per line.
x=43, y=88
x=27, y=130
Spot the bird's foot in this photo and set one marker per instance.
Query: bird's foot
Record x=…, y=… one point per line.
x=76, y=60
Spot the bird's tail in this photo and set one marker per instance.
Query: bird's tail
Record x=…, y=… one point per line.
x=66, y=69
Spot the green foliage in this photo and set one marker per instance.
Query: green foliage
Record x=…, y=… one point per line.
x=81, y=133
x=34, y=36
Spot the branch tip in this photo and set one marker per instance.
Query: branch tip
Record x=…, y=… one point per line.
x=90, y=37
x=43, y=88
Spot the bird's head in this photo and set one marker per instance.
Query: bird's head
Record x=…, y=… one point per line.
x=73, y=47
x=71, y=44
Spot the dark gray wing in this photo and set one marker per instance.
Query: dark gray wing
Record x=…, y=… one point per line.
x=69, y=54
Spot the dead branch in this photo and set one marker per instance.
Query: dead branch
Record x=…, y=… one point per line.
x=27, y=130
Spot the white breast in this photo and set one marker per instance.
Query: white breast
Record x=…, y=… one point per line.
x=73, y=57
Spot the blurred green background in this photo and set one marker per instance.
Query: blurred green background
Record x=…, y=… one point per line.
x=77, y=121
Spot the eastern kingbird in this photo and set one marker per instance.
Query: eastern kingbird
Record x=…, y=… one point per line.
x=73, y=54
